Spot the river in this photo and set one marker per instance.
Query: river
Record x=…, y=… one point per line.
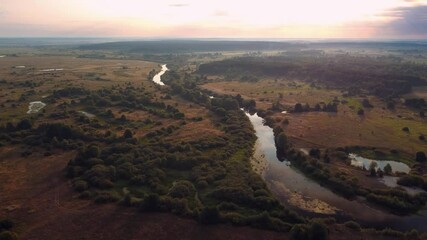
x=309, y=198
x=158, y=77
x=303, y=195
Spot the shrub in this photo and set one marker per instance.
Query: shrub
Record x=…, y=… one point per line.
x=420, y=157
x=8, y=235
x=317, y=231
x=353, y=225
x=24, y=124
x=6, y=224
x=209, y=215
x=127, y=134
x=181, y=189
x=151, y=203
x=80, y=185
x=299, y=232
x=412, y=235
x=106, y=197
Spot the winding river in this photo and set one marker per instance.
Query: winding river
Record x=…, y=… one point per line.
x=158, y=77
x=303, y=195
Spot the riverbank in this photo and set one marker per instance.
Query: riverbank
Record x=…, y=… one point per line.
x=295, y=190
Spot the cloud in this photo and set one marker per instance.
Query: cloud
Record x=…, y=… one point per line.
x=406, y=22
x=179, y=5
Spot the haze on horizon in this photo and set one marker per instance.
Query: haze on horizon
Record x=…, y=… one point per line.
x=398, y=19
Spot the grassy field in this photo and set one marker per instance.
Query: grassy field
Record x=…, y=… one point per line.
x=379, y=127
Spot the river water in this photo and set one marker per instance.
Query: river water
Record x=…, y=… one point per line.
x=158, y=77
x=305, y=196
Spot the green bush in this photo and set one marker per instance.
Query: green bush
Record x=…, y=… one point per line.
x=317, y=231
x=80, y=185
x=299, y=232
x=6, y=224
x=8, y=235
x=353, y=225
x=209, y=215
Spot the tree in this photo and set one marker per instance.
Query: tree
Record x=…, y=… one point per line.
x=387, y=169
x=380, y=173
x=282, y=142
x=151, y=203
x=8, y=235
x=326, y=158
x=209, y=215
x=372, y=168
x=314, y=152
x=299, y=232
x=366, y=103
x=128, y=134
x=317, y=231
x=298, y=108
x=92, y=151
x=420, y=157
x=24, y=125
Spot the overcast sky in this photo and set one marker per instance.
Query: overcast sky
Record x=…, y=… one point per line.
x=215, y=18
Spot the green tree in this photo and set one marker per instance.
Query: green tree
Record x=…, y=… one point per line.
x=127, y=134
x=299, y=232
x=387, y=169
x=282, y=142
x=24, y=124
x=298, y=108
x=209, y=215
x=372, y=168
x=151, y=203
x=420, y=157
x=8, y=235
x=317, y=231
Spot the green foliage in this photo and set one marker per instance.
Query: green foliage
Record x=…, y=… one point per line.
x=420, y=157
x=151, y=203
x=299, y=232
x=317, y=231
x=387, y=169
x=6, y=224
x=353, y=225
x=127, y=134
x=209, y=215
x=8, y=235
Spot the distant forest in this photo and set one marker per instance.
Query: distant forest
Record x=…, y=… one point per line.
x=382, y=76
x=188, y=46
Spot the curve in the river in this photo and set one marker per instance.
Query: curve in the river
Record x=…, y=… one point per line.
x=306, y=196
x=158, y=77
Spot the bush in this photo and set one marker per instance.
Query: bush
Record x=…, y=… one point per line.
x=412, y=235
x=106, y=197
x=353, y=225
x=209, y=215
x=6, y=224
x=80, y=185
x=8, y=235
x=151, y=203
x=420, y=157
x=317, y=231
x=299, y=232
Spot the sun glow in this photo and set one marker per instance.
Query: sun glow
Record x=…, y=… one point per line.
x=193, y=17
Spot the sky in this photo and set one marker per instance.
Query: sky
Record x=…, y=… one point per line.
x=379, y=19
